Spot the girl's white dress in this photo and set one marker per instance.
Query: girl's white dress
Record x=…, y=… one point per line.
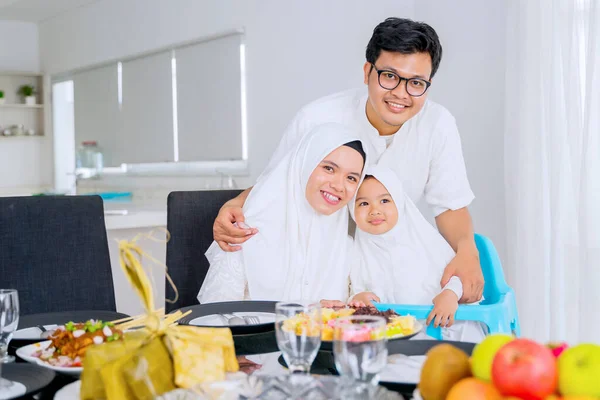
x=405, y=265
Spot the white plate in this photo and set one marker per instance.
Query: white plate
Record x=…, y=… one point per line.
x=69, y=392
x=26, y=353
x=218, y=320
x=32, y=333
x=402, y=369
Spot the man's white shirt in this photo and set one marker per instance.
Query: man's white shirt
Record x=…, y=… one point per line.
x=425, y=153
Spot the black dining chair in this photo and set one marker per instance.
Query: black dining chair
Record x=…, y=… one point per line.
x=54, y=251
x=190, y=218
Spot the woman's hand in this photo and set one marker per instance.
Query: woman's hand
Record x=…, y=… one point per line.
x=445, y=305
x=332, y=304
x=366, y=298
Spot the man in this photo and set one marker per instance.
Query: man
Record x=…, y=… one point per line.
x=401, y=129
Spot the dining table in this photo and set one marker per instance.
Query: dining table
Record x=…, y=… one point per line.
x=257, y=344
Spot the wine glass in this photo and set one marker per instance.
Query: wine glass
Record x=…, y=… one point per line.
x=298, y=331
x=9, y=319
x=360, y=352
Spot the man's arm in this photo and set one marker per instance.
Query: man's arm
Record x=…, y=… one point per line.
x=239, y=200
x=456, y=227
x=224, y=232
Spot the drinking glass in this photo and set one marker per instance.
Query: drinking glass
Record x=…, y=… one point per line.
x=360, y=352
x=9, y=319
x=298, y=331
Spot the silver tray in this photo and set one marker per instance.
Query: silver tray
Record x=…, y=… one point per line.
x=283, y=387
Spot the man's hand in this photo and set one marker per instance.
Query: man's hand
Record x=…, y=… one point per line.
x=457, y=228
x=226, y=233
x=366, y=298
x=445, y=305
x=465, y=265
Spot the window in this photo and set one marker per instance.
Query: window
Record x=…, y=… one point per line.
x=180, y=104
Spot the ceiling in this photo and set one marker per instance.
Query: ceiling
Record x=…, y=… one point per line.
x=37, y=10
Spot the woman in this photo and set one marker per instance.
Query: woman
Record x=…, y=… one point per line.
x=301, y=250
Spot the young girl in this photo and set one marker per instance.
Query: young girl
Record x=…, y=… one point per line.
x=402, y=256
x=302, y=249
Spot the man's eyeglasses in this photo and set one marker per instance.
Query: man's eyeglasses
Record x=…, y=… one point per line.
x=390, y=80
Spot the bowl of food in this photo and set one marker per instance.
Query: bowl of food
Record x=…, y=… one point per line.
x=67, y=344
x=399, y=327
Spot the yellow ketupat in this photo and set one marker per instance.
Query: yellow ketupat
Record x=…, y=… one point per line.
x=201, y=355
x=159, y=357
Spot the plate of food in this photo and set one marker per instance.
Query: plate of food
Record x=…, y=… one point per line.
x=34, y=328
x=67, y=344
x=399, y=327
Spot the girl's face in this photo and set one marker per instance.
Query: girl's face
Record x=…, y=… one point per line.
x=335, y=180
x=374, y=209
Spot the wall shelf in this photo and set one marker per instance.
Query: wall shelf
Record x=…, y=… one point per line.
x=38, y=106
x=21, y=136
x=14, y=111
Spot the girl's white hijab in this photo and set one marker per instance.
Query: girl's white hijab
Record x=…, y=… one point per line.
x=297, y=253
x=405, y=264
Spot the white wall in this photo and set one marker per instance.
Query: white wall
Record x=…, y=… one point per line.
x=296, y=51
x=470, y=83
x=25, y=162
x=19, y=49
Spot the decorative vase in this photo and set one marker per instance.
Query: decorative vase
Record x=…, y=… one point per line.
x=30, y=100
x=2, y=100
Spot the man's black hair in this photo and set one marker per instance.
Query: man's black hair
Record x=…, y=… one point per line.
x=407, y=37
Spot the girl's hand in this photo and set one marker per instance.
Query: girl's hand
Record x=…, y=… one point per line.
x=366, y=298
x=356, y=304
x=445, y=305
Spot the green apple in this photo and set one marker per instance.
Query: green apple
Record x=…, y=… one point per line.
x=579, y=370
x=484, y=353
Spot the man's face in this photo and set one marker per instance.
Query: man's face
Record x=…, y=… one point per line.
x=387, y=110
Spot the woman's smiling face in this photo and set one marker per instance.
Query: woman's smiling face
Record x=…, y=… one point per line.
x=334, y=182
x=374, y=209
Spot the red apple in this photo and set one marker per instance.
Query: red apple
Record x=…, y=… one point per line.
x=525, y=369
x=557, y=348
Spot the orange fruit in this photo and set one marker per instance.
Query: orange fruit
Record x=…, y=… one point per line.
x=473, y=389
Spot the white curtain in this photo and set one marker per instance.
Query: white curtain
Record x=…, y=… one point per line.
x=552, y=166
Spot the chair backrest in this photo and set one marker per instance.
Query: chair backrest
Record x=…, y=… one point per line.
x=495, y=284
x=54, y=251
x=190, y=218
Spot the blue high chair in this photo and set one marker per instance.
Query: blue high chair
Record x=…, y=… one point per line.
x=498, y=309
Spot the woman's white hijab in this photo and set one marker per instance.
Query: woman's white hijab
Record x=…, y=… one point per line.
x=297, y=252
x=405, y=264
